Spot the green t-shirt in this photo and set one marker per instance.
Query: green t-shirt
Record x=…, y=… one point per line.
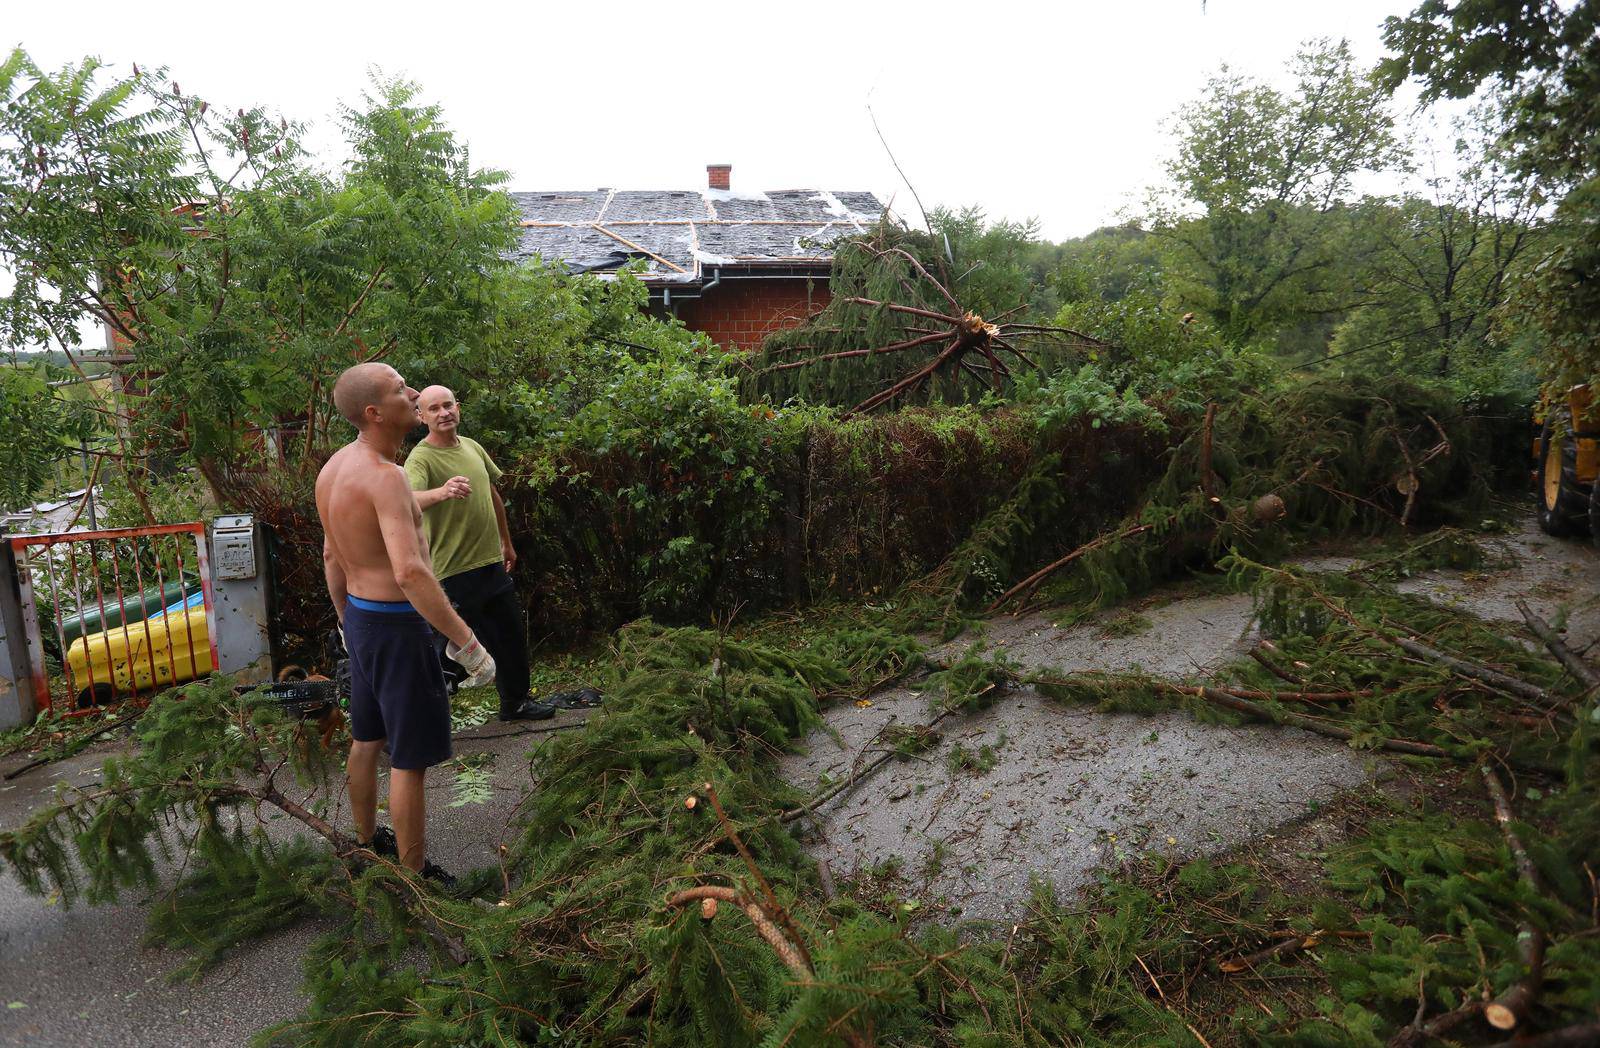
x=462, y=533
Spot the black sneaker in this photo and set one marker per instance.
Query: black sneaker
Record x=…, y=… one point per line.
x=531, y=709
x=437, y=875
x=383, y=843
x=582, y=699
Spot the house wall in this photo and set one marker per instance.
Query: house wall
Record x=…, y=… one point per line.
x=740, y=313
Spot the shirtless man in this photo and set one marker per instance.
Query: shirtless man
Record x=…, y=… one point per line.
x=380, y=579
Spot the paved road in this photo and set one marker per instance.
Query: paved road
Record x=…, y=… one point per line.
x=82, y=977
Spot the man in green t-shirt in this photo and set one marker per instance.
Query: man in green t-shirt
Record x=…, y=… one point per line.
x=465, y=519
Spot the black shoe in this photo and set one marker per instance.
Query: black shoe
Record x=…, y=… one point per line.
x=383, y=843
x=582, y=699
x=437, y=875
x=531, y=709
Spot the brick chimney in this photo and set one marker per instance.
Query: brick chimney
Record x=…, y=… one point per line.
x=717, y=175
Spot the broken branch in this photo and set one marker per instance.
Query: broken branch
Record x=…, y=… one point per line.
x=1586, y=674
x=1033, y=580
x=1245, y=706
x=1511, y=1007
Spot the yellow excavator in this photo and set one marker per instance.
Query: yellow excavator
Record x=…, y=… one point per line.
x=1567, y=463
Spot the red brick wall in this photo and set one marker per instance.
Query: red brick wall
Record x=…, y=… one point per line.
x=740, y=313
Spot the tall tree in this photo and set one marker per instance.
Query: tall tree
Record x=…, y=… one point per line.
x=1442, y=260
x=1542, y=55
x=1265, y=189
x=237, y=279
x=1543, y=58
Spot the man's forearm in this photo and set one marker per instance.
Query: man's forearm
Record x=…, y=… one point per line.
x=338, y=590
x=431, y=497
x=500, y=517
x=428, y=597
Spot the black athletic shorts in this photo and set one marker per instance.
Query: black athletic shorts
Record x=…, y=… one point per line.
x=396, y=683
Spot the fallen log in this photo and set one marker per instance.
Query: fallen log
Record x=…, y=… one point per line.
x=771, y=929
x=1274, y=669
x=349, y=849
x=1462, y=667
x=1332, y=731
x=1511, y=1007
x=1504, y=681
x=1261, y=696
x=1585, y=673
x=855, y=778
x=1421, y=1032
x=1581, y=1036
x=765, y=925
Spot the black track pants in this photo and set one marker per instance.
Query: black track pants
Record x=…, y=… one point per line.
x=487, y=600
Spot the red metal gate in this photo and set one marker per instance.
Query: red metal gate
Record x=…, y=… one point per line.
x=128, y=612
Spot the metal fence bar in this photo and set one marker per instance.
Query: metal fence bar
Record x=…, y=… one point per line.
x=21, y=541
x=83, y=637
x=30, y=627
x=183, y=606
x=61, y=631
x=161, y=580
x=105, y=628
x=144, y=612
x=127, y=641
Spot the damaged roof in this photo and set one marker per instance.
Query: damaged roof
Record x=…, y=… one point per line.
x=679, y=234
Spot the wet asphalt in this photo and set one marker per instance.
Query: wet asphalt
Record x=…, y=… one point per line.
x=83, y=976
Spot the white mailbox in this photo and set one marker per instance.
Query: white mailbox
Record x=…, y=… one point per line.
x=233, y=548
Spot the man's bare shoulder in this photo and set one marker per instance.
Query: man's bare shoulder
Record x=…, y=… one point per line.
x=389, y=488
x=334, y=467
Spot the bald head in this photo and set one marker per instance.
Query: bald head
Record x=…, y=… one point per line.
x=361, y=387
x=438, y=408
x=430, y=394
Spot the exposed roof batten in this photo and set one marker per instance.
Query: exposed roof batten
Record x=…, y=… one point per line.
x=678, y=234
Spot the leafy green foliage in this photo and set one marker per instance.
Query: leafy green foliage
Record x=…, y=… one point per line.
x=1543, y=56
x=39, y=424
x=1543, y=59
x=1555, y=301
x=240, y=279
x=1177, y=361
x=1264, y=186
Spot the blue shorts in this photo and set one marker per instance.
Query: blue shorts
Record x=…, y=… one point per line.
x=396, y=683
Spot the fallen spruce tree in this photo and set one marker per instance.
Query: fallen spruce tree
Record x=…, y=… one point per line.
x=653, y=891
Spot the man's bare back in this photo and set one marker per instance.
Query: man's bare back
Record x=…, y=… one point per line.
x=350, y=488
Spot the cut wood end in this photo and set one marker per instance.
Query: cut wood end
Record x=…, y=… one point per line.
x=690, y=801
x=708, y=909
x=1500, y=1017
x=1269, y=508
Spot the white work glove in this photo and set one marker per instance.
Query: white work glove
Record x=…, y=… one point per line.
x=475, y=659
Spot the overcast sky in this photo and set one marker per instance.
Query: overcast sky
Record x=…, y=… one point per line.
x=1050, y=111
